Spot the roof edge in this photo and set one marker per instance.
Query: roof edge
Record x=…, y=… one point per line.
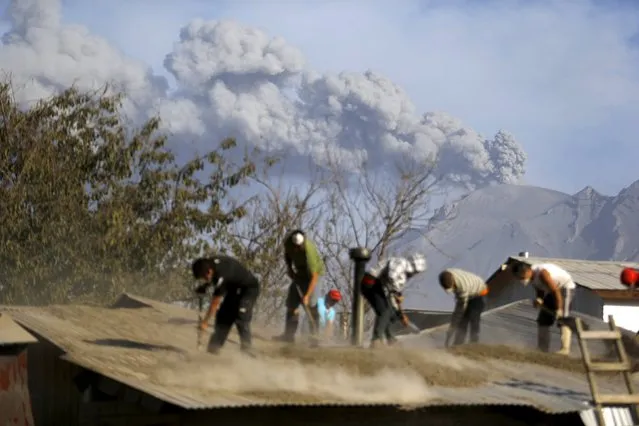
x=130, y=301
x=568, y=259
x=13, y=333
x=486, y=312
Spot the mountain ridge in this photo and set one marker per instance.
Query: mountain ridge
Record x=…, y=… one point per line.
x=493, y=223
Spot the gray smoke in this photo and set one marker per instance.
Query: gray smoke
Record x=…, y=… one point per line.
x=238, y=81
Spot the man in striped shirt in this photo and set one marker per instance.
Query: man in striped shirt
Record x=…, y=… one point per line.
x=383, y=286
x=469, y=290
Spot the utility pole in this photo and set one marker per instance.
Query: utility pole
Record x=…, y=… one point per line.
x=360, y=256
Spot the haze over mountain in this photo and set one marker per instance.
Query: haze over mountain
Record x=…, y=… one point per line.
x=493, y=223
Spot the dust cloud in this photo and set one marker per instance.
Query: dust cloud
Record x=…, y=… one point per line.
x=304, y=375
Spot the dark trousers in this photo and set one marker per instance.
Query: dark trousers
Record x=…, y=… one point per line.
x=385, y=314
x=471, y=319
x=293, y=304
x=235, y=309
x=547, y=316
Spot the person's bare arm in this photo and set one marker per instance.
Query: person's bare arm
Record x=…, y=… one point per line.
x=311, y=286
x=547, y=279
x=215, y=303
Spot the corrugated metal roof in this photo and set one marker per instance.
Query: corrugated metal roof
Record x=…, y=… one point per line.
x=112, y=343
x=515, y=325
x=592, y=274
x=422, y=319
x=12, y=334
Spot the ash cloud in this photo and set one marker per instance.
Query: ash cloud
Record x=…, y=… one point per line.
x=233, y=80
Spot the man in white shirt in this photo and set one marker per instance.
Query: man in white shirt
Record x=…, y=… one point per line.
x=383, y=288
x=554, y=293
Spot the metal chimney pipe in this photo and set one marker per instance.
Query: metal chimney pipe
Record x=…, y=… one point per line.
x=360, y=256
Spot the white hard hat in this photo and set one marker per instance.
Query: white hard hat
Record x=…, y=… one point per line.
x=297, y=239
x=419, y=262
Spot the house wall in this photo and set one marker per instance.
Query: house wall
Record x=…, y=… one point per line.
x=506, y=294
x=626, y=315
x=54, y=397
x=122, y=413
x=368, y=416
x=15, y=404
x=57, y=400
x=588, y=302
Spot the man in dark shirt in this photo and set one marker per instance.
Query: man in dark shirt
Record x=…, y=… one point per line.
x=235, y=292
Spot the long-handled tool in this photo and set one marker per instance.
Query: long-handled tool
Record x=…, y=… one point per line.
x=567, y=321
x=307, y=310
x=410, y=326
x=200, y=332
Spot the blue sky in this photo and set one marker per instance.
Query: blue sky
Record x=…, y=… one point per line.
x=562, y=76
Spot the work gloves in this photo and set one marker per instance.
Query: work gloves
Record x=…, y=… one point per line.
x=539, y=302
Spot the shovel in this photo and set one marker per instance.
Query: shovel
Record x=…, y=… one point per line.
x=409, y=325
x=413, y=328
x=200, y=332
x=306, y=309
x=567, y=321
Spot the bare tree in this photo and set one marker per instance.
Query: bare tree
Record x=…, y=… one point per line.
x=277, y=208
x=374, y=209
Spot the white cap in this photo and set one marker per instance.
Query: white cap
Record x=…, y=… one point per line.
x=297, y=239
x=419, y=262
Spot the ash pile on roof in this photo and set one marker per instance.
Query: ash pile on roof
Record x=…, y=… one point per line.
x=296, y=374
x=482, y=352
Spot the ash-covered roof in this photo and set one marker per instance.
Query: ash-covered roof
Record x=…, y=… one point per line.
x=151, y=346
x=12, y=334
x=515, y=325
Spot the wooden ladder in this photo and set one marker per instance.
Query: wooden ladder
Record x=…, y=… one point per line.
x=621, y=365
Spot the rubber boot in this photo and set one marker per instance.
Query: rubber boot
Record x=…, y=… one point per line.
x=543, y=338
x=566, y=339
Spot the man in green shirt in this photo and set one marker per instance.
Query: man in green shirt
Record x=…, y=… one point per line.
x=305, y=267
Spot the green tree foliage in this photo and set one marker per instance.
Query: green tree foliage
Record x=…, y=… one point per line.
x=90, y=208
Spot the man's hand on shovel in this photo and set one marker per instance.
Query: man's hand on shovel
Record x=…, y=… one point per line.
x=404, y=319
x=559, y=316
